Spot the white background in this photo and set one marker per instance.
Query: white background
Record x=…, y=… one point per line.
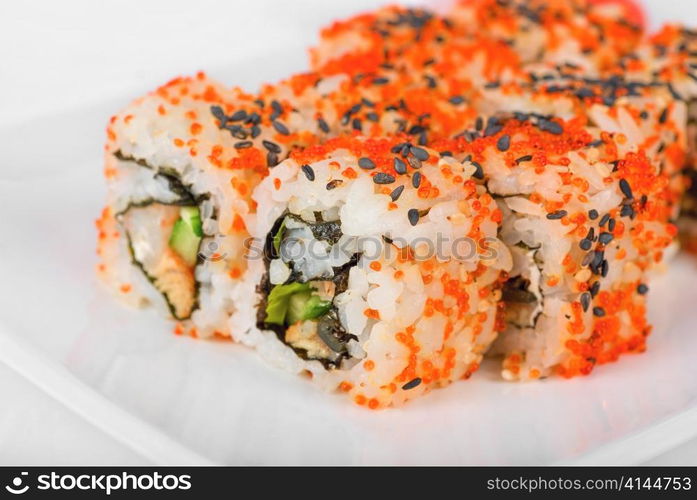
x=62, y=55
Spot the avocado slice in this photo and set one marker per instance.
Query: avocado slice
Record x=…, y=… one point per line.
x=187, y=234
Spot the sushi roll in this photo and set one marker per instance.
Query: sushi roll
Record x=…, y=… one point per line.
x=669, y=60
x=377, y=269
x=583, y=220
x=644, y=114
x=575, y=33
x=179, y=185
x=366, y=42
x=514, y=33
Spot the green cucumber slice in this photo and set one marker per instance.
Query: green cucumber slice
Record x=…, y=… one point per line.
x=278, y=301
x=187, y=234
x=288, y=304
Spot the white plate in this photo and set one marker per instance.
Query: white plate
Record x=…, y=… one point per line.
x=176, y=400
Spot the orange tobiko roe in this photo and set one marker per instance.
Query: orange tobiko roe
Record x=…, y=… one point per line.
x=635, y=14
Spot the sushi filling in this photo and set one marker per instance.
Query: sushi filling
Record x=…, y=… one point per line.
x=164, y=229
x=522, y=292
x=164, y=241
x=305, y=270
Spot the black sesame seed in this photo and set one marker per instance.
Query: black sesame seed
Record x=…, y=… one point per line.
x=357, y=124
x=420, y=153
x=585, y=244
x=504, y=143
x=605, y=238
x=397, y=147
x=414, y=162
x=396, y=193
x=413, y=215
x=237, y=132
x=627, y=211
x=611, y=225
x=550, y=126
x=243, y=144
x=557, y=215
x=595, y=288
x=372, y=116
x=479, y=124
x=523, y=159
x=599, y=312
x=585, y=300
x=642, y=289
x=271, y=146
x=411, y=384
x=309, y=173
x=416, y=179
x=604, y=219
x=366, y=163
x=383, y=178
x=626, y=189
x=604, y=268
x=593, y=214
x=255, y=131
x=253, y=118
x=380, y=81
x=271, y=159
x=587, y=259
x=399, y=166
x=322, y=124
x=238, y=116
x=493, y=127
x=280, y=127
x=456, y=99
x=334, y=184
x=218, y=112
x=355, y=109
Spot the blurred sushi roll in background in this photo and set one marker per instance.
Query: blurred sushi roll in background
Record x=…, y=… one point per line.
x=508, y=35
x=379, y=269
x=668, y=60
x=642, y=116
x=586, y=34
x=581, y=220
